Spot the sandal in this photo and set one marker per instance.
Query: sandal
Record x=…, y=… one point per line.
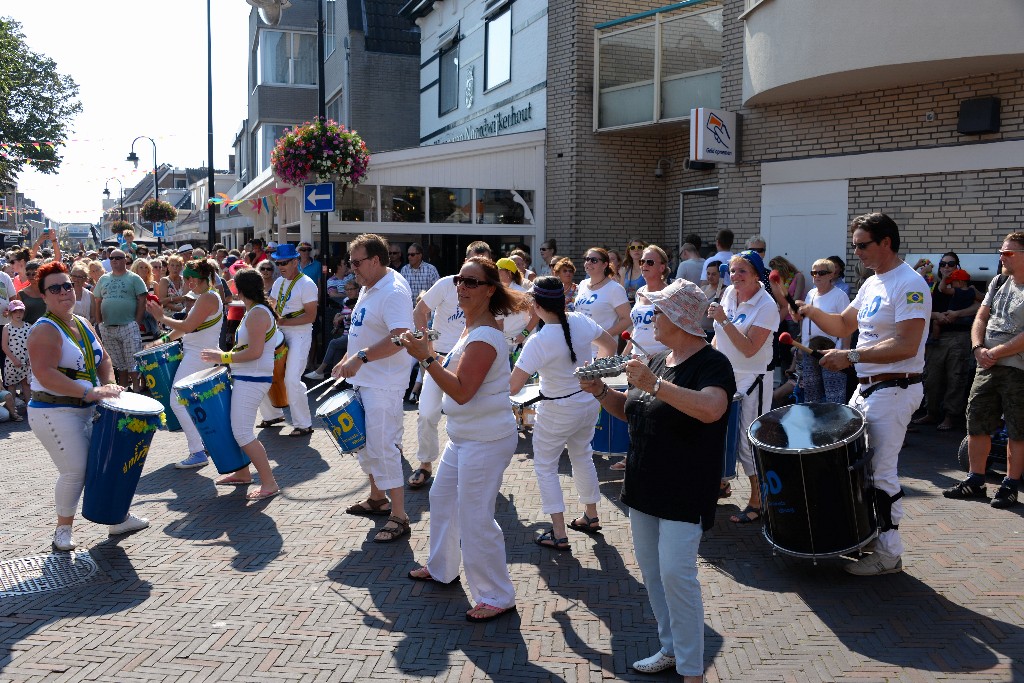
x=228, y=480
x=263, y=424
x=16, y=418
x=744, y=516
x=548, y=540
x=262, y=495
x=422, y=574
x=401, y=528
x=415, y=482
x=725, y=491
x=485, y=612
x=370, y=507
x=618, y=466
x=300, y=431
x=585, y=524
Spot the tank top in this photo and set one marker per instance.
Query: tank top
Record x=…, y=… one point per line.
x=264, y=365
x=35, y=307
x=71, y=358
x=207, y=335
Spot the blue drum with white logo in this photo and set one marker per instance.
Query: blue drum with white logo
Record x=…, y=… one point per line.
x=206, y=396
x=814, y=469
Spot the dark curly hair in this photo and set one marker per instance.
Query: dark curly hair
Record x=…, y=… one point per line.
x=250, y=285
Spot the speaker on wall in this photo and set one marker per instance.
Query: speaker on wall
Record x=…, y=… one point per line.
x=979, y=115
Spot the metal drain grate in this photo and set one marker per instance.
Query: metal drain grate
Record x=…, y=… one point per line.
x=41, y=573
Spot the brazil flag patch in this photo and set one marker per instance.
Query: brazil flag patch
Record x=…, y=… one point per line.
x=915, y=297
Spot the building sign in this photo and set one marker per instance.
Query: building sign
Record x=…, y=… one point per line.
x=497, y=123
x=714, y=136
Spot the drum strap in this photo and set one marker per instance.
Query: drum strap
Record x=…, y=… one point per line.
x=542, y=397
x=755, y=385
x=208, y=324
x=85, y=346
x=270, y=335
x=902, y=383
x=282, y=300
x=883, y=508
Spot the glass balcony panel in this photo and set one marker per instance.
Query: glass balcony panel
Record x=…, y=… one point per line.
x=626, y=78
x=691, y=63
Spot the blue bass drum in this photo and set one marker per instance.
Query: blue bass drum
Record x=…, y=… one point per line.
x=206, y=396
x=158, y=366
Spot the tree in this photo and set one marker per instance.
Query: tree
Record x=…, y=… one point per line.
x=37, y=105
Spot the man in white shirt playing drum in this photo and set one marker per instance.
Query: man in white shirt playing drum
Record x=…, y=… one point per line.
x=891, y=312
x=380, y=371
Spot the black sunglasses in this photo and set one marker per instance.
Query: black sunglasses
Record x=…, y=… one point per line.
x=57, y=289
x=758, y=250
x=285, y=262
x=815, y=273
x=861, y=246
x=267, y=270
x=592, y=259
x=949, y=264
x=469, y=282
x=305, y=249
x=648, y=262
x=414, y=253
x=117, y=258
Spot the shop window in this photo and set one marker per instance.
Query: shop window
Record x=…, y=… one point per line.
x=510, y=207
x=359, y=203
x=402, y=204
x=451, y=205
x=498, y=49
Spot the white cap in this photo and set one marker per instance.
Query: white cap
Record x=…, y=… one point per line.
x=185, y=247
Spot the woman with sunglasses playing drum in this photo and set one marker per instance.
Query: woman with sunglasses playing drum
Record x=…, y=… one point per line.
x=199, y=330
x=70, y=373
x=601, y=298
x=483, y=438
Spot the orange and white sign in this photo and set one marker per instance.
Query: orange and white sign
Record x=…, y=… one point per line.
x=714, y=136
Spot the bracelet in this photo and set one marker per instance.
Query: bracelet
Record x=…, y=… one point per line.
x=165, y=338
x=86, y=393
x=657, y=386
x=976, y=347
x=525, y=333
x=225, y=357
x=604, y=392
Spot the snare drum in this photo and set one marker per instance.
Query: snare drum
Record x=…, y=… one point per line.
x=343, y=416
x=526, y=415
x=732, y=437
x=158, y=366
x=278, y=393
x=611, y=435
x=812, y=463
x=206, y=396
x=122, y=431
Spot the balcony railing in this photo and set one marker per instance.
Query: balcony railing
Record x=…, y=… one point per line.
x=655, y=66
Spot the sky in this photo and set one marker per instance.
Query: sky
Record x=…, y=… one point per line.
x=113, y=49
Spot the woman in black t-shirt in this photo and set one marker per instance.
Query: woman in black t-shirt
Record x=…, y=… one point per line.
x=681, y=397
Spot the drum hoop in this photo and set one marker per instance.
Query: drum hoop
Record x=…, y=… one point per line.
x=815, y=449
x=105, y=403
x=181, y=387
x=814, y=556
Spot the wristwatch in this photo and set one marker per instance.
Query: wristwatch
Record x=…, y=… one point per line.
x=425, y=363
x=362, y=356
x=853, y=355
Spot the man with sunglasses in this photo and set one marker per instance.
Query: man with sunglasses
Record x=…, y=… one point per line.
x=420, y=275
x=997, y=339
x=307, y=264
x=380, y=371
x=119, y=301
x=891, y=313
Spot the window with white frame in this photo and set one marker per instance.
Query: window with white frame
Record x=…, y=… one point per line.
x=330, y=6
x=498, y=49
x=448, y=86
x=287, y=58
x=334, y=109
x=267, y=135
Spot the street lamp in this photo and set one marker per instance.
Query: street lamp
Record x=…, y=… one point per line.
x=211, y=226
x=134, y=158
x=106, y=191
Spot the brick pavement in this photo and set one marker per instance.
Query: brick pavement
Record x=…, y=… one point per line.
x=293, y=589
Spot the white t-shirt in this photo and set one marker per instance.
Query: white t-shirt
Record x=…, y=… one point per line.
x=304, y=292
x=384, y=307
x=599, y=304
x=546, y=353
x=835, y=301
x=760, y=311
x=488, y=415
x=643, y=326
x=514, y=323
x=884, y=300
x=449, y=320
x=724, y=257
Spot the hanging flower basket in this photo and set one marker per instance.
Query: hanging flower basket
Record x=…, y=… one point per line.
x=322, y=150
x=117, y=227
x=157, y=211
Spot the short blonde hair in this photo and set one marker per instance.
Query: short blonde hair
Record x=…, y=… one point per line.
x=174, y=258
x=824, y=264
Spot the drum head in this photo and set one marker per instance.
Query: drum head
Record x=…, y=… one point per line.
x=335, y=402
x=197, y=377
x=156, y=350
x=806, y=427
x=133, y=404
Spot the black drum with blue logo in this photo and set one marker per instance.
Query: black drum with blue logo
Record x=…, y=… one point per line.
x=813, y=465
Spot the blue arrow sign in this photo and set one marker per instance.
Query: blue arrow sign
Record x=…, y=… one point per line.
x=159, y=229
x=318, y=197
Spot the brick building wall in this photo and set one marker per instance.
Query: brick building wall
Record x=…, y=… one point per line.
x=385, y=97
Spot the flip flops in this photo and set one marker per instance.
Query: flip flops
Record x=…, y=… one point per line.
x=423, y=574
x=276, y=422
x=415, y=482
x=232, y=481
x=485, y=612
x=262, y=495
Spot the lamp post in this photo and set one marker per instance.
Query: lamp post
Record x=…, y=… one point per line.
x=106, y=192
x=321, y=28
x=134, y=158
x=211, y=226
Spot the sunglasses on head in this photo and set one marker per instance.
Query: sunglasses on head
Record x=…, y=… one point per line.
x=57, y=289
x=469, y=282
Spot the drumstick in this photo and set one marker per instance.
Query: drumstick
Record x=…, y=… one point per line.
x=312, y=389
x=776, y=279
x=628, y=337
x=330, y=388
x=723, y=271
x=787, y=339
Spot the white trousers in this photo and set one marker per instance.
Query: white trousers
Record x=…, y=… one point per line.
x=381, y=458
x=299, y=339
x=560, y=425
x=246, y=398
x=751, y=408
x=667, y=554
x=189, y=364
x=462, y=525
x=427, y=421
x=65, y=434
x=888, y=412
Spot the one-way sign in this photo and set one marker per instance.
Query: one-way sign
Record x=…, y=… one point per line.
x=318, y=198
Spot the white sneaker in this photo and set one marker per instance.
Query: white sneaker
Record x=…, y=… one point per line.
x=131, y=523
x=314, y=375
x=659, y=661
x=62, y=538
x=878, y=563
